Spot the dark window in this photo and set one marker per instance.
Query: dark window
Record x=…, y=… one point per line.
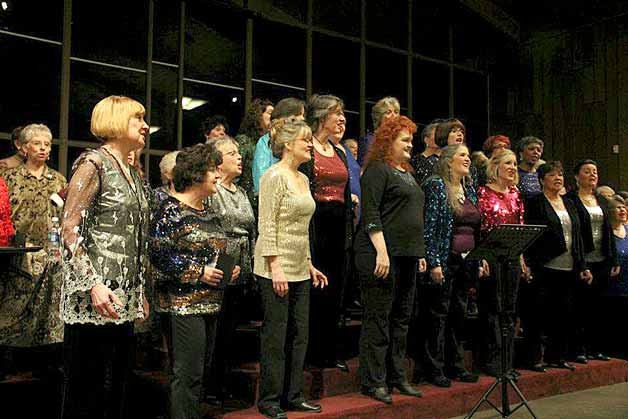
x=203, y=101
x=31, y=72
x=430, y=28
x=430, y=88
x=112, y=32
x=387, y=22
x=154, y=176
x=470, y=96
x=275, y=93
x=166, y=31
x=284, y=10
x=338, y=78
x=43, y=19
x=89, y=84
x=475, y=41
x=386, y=75
x=279, y=53
x=214, y=43
x=163, y=117
x=343, y=17
x=353, y=125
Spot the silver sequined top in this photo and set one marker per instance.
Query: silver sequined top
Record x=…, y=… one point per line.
x=597, y=226
x=563, y=262
x=284, y=219
x=235, y=214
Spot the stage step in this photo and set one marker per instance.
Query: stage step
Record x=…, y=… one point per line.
x=460, y=398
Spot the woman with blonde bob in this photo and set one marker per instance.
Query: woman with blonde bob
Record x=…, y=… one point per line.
x=499, y=202
x=104, y=234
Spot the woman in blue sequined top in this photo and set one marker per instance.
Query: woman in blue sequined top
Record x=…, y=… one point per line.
x=185, y=242
x=452, y=222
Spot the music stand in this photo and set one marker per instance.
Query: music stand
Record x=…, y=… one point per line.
x=505, y=243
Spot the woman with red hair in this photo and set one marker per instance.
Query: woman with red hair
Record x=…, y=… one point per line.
x=389, y=250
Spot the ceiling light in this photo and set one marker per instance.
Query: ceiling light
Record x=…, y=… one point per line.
x=4, y=5
x=234, y=99
x=188, y=103
x=153, y=129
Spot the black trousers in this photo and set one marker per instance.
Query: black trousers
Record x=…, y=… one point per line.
x=326, y=306
x=552, y=325
x=283, y=342
x=588, y=309
x=615, y=340
x=97, y=363
x=489, y=302
x=446, y=311
x=190, y=342
x=388, y=304
x=220, y=366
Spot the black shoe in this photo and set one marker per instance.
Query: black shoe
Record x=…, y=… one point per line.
x=406, y=389
x=273, y=412
x=341, y=365
x=602, y=357
x=538, y=367
x=440, y=381
x=378, y=393
x=581, y=359
x=467, y=377
x=304, y=407
x=563, y=365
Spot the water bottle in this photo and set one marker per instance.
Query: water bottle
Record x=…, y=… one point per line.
x=54, y=240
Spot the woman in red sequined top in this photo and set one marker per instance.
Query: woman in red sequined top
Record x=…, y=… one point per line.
x=7, y=232
x=500, y=203
x=331, y=228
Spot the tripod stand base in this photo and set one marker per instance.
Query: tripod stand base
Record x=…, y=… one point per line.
x=505, y=411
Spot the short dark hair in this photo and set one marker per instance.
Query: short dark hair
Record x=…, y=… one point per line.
x=580, y=163
x=193, y=163
x=212, y=122
x=548, y=167
x=444, y=128
x=287, y=107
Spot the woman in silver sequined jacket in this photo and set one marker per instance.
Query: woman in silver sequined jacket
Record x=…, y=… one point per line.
x=104, y=230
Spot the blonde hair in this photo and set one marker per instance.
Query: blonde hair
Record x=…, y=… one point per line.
x=166, y=166
x=496, y=160
x=286, y=130
x=110, y=117
x=380, y=108
x=443, y=170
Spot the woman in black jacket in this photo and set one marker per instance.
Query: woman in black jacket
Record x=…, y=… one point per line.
x=558, y=268
x=601, y=257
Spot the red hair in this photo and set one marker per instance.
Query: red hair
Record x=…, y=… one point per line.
x=491, y=143
x=385, y=136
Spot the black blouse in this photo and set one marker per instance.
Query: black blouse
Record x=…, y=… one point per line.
x=392, y=202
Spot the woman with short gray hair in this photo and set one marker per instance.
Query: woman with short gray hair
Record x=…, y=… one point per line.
x=331, y=229
x=384, y=109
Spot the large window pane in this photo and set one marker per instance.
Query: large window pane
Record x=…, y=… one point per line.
x=164, y=108
x=205, y=101
x=386, y=75
x=344, y=17
x=285, y=10
x=430, y=91
x=214, y=43
x=286, y=62
x=166, y=31
x=430, y=28
x=112, y=31
x=154, y=175
x=89, y=84
x=43, y=19
x=275, y=93
x=475, y=41
x=353, y=125
x=31, y=74
x=387, y=22
x=470, y=97
x=338, y=78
